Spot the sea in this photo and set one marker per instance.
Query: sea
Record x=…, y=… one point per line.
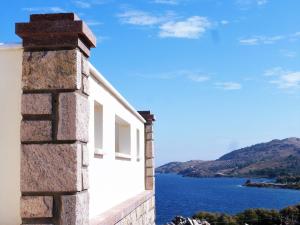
x=177, y=195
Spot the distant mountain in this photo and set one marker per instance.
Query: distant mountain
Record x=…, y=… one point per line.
x=271, y=159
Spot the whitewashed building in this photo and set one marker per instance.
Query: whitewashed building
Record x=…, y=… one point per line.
x=73, y=151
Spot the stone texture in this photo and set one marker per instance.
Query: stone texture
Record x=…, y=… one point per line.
x=149, y=183
x=56, y=31
x=36, y=131
x=149, y=136
x=36, y=104
x=133, y=211
x=144, y=214
x=149, y=172
x=149, y=149
x=85, y=155
x=75, y=209
x=51, y=70
x=148, y=128
x=51, y=168
x=85, y=66
x=150, y=163
x=85, y=179
x=36, y=206
x=73, y=121
x=86, y=85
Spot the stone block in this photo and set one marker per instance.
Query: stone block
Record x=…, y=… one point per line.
x=73, y=121
x=148, y=128
x=36, y=206
x=86, y=85
x=149, y=172
x=149, y=136
x=149, y=183
x=85, y=155
x=150, y=163
x=51, y=168
x=149, y=149
x=75, y=209
x=85, y=179
x=44, y=70
x=36, y=130
x=85, y=66
x=36, y=104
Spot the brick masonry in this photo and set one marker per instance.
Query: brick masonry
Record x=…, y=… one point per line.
x=54, y=127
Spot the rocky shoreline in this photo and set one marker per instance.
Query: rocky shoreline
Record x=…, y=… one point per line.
x=179, y=220
x=272, y=185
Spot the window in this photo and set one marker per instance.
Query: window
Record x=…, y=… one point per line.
x=122, y=138
x=98, y=127
x=138, y=145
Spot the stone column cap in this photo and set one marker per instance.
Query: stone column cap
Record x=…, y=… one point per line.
x=148, y=116
x=56, y=31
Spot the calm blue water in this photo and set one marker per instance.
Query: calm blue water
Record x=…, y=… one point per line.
x=176, y=195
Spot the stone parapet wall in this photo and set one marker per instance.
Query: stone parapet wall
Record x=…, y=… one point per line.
x=139, y=210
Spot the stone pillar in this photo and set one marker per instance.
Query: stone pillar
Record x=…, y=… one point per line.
x=149, y=150
x=55, y=116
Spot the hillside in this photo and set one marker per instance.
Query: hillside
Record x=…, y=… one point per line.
x=271, y=159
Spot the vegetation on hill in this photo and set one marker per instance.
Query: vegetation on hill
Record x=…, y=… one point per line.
x=286, y=216
x=273, y=159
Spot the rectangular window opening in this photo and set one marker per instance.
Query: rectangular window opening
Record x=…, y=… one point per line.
x=122, y=139
x=98, y=127
x=138, y=145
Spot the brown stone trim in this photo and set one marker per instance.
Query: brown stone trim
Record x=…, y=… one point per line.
x=56, y=31
x=147, y=116
x=53, y=17
x=117, y=213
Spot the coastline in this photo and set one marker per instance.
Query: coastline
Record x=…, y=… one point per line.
x=272, y=185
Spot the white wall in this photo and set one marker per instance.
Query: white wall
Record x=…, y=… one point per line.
x=10, y=117
x=112, y=180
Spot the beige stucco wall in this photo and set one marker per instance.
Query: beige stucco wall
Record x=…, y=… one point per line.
x=10, y=117
x=112, y=180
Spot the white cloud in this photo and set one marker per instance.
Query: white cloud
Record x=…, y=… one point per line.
x=224, y=22
x=167, y=24
x=258, y=40
x=138, y=17
x=275, y=71
x=229, y=86
x=85, y=4
x=82, y=4
x=53, y=9
x=167, y=2
x=191, y=75
x=249, y=41
x=289, y=80
x=198, y=78
x=192, y=28
x=246, y=4
x=288, y=53
x=284, y=79
x=261, y=2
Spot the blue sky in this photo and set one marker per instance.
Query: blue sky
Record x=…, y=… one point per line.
x=218, y=74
